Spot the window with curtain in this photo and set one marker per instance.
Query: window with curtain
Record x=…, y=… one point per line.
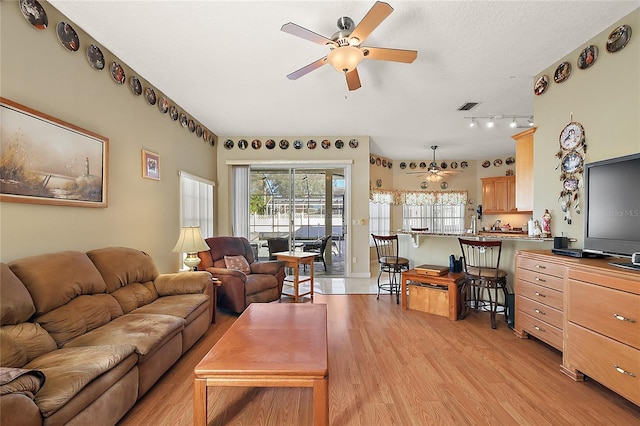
x=196, y=203
x=441, y=212
x=379, y=219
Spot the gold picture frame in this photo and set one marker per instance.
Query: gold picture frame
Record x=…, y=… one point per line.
x=150, y=165
x=48, y=161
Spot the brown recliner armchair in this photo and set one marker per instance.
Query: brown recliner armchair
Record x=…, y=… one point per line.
x=261, y=283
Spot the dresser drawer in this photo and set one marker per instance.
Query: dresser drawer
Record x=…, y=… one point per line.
x=539, y=311
x=541, y=266
x=540, y=294
x=604, y=310
x=536, y=277
x=604, y=360
x=540, y=329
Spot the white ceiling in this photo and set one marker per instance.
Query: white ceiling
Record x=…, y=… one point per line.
x=225, y=63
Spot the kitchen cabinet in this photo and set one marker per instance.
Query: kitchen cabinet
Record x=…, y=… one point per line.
x=499, y=195
x=524, y=170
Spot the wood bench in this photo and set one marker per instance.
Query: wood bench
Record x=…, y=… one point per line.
x=270, y=345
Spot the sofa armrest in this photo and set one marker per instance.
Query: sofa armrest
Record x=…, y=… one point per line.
x=270, y=267
x=222, y=273
x=183, y=283
x=20, y=380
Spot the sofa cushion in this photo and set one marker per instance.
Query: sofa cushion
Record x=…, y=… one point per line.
x=20, y=380
x=134, y=295
x=182, y=306
x=82, y=314
x=121, y=266
x=258, y=282
x=238, y=263
x=69, y=370
x=16, y=305
x=24, y=340
x=56, y=278
x=147, y=332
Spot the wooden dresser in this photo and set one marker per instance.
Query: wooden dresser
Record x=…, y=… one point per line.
x=599, y=332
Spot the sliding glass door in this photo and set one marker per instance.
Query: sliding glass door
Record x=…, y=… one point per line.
x=295, y=209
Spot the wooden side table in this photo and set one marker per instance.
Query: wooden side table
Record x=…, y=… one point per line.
x=449, y=280
x=293, y=260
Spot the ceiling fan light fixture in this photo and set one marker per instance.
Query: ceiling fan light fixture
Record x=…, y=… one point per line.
x=345, y=58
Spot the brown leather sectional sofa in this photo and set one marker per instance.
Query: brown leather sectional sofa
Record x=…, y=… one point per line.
x=84, y=335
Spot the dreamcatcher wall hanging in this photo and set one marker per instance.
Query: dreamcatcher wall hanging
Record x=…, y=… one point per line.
x=572, y=141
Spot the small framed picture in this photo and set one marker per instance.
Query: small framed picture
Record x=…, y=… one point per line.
x=150, y=165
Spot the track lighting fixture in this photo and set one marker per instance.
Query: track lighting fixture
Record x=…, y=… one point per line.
x=515, y=121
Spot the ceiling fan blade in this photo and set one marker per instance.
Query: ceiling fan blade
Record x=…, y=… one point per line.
x=353, y=79
x=302, y=32
x=307, y=69
x=396, y=55
x=372, y=19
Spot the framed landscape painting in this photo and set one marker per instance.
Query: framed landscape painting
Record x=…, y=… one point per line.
x=48, y=161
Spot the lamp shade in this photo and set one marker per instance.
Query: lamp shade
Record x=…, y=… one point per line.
x=190, y=241
x=345, y=58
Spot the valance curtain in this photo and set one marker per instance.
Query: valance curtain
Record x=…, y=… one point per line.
x=418, y=198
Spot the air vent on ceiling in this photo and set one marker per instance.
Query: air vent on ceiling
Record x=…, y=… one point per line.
x=468, y=106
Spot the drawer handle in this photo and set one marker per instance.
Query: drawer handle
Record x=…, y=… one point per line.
x=539, y=294
x=623, y=371
x=538, y=311
x=621, y=318
x=539, y=329
x=541, y=280
x=541, y=267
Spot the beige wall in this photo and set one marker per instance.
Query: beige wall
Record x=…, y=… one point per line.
x=357, y=190
x=605, y=99
x=144, y=214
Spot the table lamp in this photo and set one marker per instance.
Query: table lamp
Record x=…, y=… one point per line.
x=191, y=242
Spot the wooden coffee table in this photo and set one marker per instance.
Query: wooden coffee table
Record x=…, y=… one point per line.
x=270, y=345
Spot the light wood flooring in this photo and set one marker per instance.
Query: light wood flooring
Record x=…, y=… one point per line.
x=393, y=367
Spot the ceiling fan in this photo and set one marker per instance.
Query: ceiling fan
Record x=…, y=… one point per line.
x=346, y=45
x=434, y=172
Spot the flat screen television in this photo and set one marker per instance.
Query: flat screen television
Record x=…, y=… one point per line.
x=612, y=206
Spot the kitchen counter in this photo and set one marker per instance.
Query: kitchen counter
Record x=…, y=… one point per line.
x=482, y=235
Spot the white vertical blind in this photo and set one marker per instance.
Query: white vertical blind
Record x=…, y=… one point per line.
x=196, y=203
x=240, y=201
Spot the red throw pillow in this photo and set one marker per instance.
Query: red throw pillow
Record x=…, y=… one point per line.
x=237, y=262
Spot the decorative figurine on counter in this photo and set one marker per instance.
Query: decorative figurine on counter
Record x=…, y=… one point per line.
x=546, y=223
x=537, y=230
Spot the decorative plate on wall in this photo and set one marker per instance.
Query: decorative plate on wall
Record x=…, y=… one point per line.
x=243, y=144
x=424, y=184
x=198, y=131
x=150, y=96
x=311, y=144
x=68, y=36
x=206, y=135
x=256, y=144
x=541, y=85
x=588, y=57
x=378, y=161
x=454, y=165
x=173, y=112
x=389, y=164
x=443, y=165
x=372, y=160
x=192, y=126
x=33, y=12
x=384, y=163
x=464, y=165
x=135, y=85
x=403, y=165
x=284, y=144
x=326, y=144
x=423, y=165
x=339, y=144
x=509, y=161
x=412, y=165
x=184, y=121
x=297, y=144
x=618, y=38
x=117, y=73
x=486, y=164
x=444, y=185
x=353, y=143
x=163, y=104
x=270, y=144
x=228, y=144
x=497, y=162
x=96, y=60
x=562, y=72
x=379, y=183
